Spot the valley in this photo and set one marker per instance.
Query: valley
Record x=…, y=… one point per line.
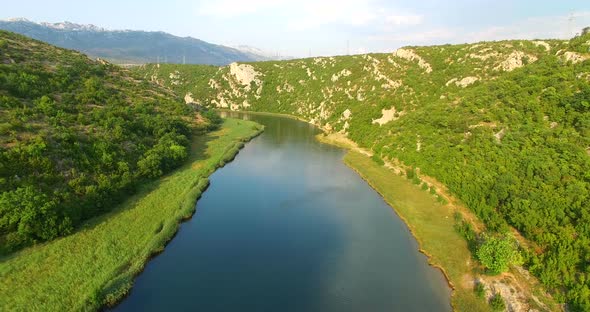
x=287, y=226
x=433, y=177
x=486, y=120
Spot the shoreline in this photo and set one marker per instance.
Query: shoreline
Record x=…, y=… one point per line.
x=351, y=147
x=95, y=267
x=458, y=266
x=408, y=225
x=323, y=138
x=285, y=115
x=461, y=277
x=461, y=299
x=230, y=154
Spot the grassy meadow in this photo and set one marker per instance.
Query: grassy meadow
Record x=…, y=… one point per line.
x=96, y=265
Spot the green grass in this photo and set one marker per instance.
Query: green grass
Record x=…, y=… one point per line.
x=430, y=222
x=96, y=265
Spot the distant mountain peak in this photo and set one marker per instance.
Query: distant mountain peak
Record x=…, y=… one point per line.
x=72, y=26
x=17, y=19
x=65, y=25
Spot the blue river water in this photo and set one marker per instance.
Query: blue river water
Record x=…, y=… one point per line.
x=287, y=226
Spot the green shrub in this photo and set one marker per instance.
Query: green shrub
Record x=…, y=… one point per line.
x=497, y=253
x=479, y=290
x=441, y=200
x=497, y=303
x=214, y=119
x=377, y=160
x=410, y=173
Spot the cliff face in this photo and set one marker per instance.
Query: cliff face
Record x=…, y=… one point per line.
x=407, y=80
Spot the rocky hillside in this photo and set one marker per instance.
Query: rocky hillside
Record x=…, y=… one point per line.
x=127, y=46
x=504, y=125
x=77, y=137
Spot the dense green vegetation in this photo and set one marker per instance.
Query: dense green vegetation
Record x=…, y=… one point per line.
x=96, y=265
x=504, y=125
x=498, y=253
x=497, y=303
x=77, y=137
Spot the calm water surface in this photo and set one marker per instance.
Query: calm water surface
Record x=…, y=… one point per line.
x=287, y=226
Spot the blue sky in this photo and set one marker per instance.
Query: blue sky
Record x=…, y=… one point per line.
x=322, y=27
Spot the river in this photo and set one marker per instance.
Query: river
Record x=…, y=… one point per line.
x=287, y=226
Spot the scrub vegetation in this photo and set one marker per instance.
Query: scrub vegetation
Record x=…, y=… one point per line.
x=505, y=126
x=77, y=137
x=97, y=170
x=95, y=266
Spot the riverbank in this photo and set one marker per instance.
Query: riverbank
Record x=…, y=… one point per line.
x=225, y=110
x=432, y=224
x=96, y=265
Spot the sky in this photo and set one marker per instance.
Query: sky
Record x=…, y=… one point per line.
x=322, y=27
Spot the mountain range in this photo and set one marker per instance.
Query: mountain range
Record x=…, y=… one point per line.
x=131, y=46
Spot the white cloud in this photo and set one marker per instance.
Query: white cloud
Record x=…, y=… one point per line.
x=416, y=37
x=361, y=50
x=233, y=8
x=377, y=25
x=564, y=27
x=399, y=20
x=532, y=28
x=318, y=13
x=349, y=12
x=311, y=14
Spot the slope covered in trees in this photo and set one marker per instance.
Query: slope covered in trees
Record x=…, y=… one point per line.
x=76, y=137
x=505, y=125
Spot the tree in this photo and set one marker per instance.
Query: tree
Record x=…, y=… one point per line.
x=31, y=213
x=46, y=105
x=586, y=30
x=497, y=303
x=214, y=119
x=498, y=253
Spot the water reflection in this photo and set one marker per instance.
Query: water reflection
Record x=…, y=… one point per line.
x=288, y=227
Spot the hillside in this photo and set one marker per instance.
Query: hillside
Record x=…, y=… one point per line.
x=76, y=138
x=504, y=125
x=127, y=46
